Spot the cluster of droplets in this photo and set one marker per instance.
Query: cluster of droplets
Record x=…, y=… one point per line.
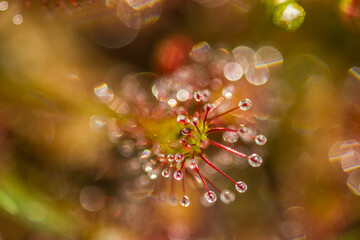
x=217, y=69
x=174, y=131
x=183, y=161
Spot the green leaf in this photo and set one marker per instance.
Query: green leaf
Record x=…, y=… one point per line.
x=288, y=16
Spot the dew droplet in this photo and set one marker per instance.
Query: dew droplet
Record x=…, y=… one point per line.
x=171, y=157
x=210, y=197
x=197, y=96
x=245, y=104
x=227, y=197
x=230, y=137
x=185, y=131
x=205, y=95
x=152, y=175
x=192, y=163
x=165, y=173
x=260, y=139
x=179, y=157
x=244, y=130
x=241, y=187
x=246, y=133
x=185, y=201
x=182, y=119
x=178, y=175
x=145, y=154
x=148, y=167
x=208, y=107
x=255, y=160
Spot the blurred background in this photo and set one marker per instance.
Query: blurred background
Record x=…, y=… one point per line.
x=65, y=175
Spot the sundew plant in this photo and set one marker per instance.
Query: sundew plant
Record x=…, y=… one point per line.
x=176, y=129
x=179, y=119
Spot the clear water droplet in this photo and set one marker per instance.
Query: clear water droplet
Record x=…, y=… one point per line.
x=241, y=187
x=197, y=96
x=255, y=160
x=227, y=196
x=192, y=163
x=152, y=175
x=145, y=154
x=185, y=201
x=171, y=157
x=245, y=104
x=208, y=107
x=230, y=137
x=210, y=197
x=260, y=139
x=148, y=167
x=178, y=175
x=182, y=119
x=246, y=134
x=244, y=130
x=165, y=173
x=185, y=131
x=205, y=95
x=179, y=157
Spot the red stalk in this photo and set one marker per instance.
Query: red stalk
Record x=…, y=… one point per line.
x=207, y=111
x=183, y=183
x=213, y=166
x=212, y=184
x=219, y=129
x=197, y=128
x=222, y=114
x=217, y=103
x=212, y=142
x=202, y=179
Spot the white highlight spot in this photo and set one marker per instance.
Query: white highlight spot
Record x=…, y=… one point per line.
x=18, y=19
x=290, y=13
x=4, y=5
x=233, y=71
